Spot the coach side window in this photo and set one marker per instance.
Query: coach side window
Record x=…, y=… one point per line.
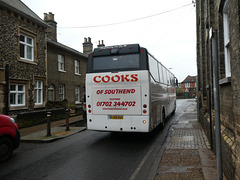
x=160, y=67
x=172, y=80
x=164, y=75
x=167, y=72
x=153, y=68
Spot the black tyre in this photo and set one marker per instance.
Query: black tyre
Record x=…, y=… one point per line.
x=163, y=120
x=6, y=148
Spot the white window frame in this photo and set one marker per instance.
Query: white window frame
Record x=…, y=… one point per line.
x=77, y=94
x=226, y=40
x=61, y=63
x=51, y=91
x=38, y=92
x=187, y=85
x=28, y=47
x=61, y=92
x=77, y=67
x=18, y=94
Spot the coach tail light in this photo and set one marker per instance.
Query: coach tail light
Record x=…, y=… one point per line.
x=144, y=109
x=89, y=110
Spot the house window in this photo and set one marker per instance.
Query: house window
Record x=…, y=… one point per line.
x=77, y=94
x=226, y=39
x=61, y=62
x=51, y=92
x=17, y=95
x=61, y=92
x=77, y=67
x=187, y=85
x=38, y=92
x=26, y=47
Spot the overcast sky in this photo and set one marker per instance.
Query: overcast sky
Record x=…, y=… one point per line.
x=166, y=28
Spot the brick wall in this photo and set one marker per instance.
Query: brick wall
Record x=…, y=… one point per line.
x=68, y=77
x=26, y=119
x=209, y=15
x=22, y=71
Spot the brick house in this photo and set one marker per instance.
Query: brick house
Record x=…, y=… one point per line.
x=23, y=56
x=188, y=86
x=222, y=17
x=34, y=67
x=66, y=67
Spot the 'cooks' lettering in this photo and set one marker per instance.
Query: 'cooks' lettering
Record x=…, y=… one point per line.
x=116, y=78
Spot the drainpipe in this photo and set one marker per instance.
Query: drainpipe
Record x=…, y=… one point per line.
x=6, y=94
x=216, y=104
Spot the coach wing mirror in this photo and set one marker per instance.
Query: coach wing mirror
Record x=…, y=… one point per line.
x=176, y=81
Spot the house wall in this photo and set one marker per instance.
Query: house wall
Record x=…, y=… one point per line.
x=2, y=82
x=68, y=77
x=21, y=71
x=209, y=15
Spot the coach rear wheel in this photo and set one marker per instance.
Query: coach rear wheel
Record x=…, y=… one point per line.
x=163, y=120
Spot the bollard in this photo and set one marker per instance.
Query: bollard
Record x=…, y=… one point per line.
x=48, y=123
x=67, y=119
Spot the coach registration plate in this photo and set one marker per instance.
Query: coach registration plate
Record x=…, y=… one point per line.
x=115, y=117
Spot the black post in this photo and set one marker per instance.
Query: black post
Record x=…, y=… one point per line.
x=6, y=94
x=67, y=119
x=210, y=114
x=49, y=123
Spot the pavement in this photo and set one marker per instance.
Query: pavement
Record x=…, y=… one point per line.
x=38, y=133
x=187, y=154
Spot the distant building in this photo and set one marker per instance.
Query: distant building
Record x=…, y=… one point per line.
x=23, y=70
x=188, y=87
x=222, y=17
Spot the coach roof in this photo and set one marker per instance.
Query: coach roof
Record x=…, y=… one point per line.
x=118, y=49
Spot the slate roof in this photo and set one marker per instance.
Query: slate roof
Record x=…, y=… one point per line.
x=66, y=47
x=189, y=79
x=19, y=7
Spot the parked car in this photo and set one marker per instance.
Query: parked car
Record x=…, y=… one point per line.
x=9, y=137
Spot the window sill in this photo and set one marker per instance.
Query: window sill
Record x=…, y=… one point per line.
x=15, y=107
x=39, y=105
x=61, y=71
x=225, y=81
x=28, y=61
x=77, y=74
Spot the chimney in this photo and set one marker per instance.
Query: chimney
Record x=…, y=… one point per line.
x=87, y=46
x=52, y=30
x=100, y=44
